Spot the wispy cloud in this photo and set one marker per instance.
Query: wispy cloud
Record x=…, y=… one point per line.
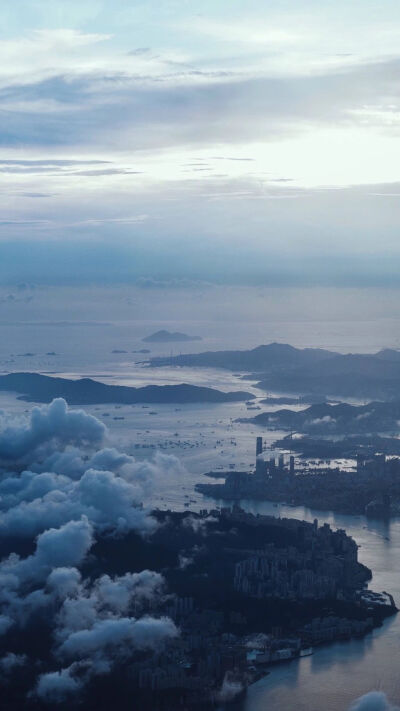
x=200, y=127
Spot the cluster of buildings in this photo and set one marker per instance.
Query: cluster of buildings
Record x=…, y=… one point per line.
x=373, y=488
x=323, y=565
x=378, y=465
x=194, y=666
x=331, y=628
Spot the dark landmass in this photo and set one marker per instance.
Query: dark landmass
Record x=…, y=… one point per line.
x=169, y=337
x=334, y=419
x=343, y=375
x=116, y=350
x=274, y=355
x=142, y=350
x=340, y=448
x=294, y=583
x=42, y=388
x=389, y=354
x=310, y=371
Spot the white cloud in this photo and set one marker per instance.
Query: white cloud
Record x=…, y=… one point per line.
x=373, y=701
x=66, y=502
x=49, y=428
x=121, y=636
x=65, y=546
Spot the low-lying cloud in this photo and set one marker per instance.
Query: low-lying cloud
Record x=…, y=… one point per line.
x=62, y=490
x=373, y=701
x=48, y=428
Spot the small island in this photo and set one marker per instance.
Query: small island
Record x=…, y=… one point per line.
x=169, y=337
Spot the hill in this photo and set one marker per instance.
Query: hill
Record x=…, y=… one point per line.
x=310, y=372
x=329, y=419
x=272, y=356
x=34, y=387
x=352, y=375
x=169, y=337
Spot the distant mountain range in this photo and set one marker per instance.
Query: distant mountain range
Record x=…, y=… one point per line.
x=169, y=337
x=34, y=387
x=258, y=359
x=353, y=375
x=312, y=371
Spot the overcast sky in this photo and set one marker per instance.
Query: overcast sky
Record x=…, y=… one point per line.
x=251, y=142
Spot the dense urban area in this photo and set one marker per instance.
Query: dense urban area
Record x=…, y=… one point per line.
x=372, y=487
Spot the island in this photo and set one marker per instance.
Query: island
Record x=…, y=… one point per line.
x=34, y=387
x=169, y=337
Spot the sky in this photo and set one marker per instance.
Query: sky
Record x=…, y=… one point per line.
x=229, y=142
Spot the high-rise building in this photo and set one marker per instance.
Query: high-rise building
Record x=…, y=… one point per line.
x=291, y=465
x=261, y=466
x=259, y=446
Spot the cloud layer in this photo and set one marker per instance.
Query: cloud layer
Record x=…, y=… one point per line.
x=60, y=491
x=125, y=140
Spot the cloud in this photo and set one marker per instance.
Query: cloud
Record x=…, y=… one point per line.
x=198, y=525
x=114, y=127
x=91, y=628
x=108, y=501
x=373, y=701
x=10, y=662
x=68, y=477
x=75, y=492
x=48, y=427
x=56, y=686
x=318, y=421
x=119, y=636
x=33, y=164
x=65, y=546
x=5, y=623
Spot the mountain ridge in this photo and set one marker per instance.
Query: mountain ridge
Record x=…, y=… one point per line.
x=34, y=387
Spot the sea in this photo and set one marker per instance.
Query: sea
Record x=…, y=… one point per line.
x=209, y=437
